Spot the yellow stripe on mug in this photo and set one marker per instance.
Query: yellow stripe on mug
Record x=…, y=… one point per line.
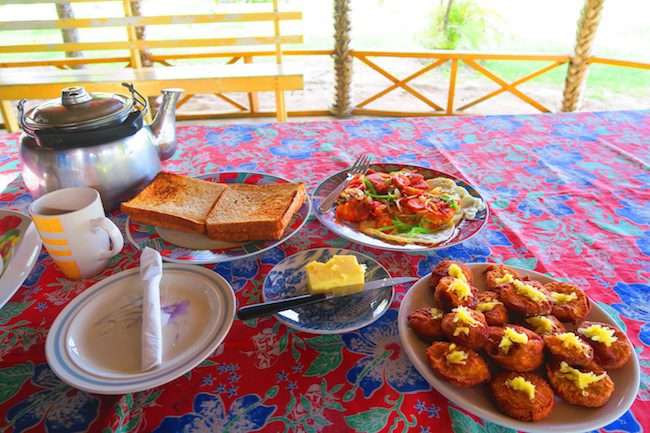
x=70, y=269
x=50, y=225
x=59, y=253
x=56, y=242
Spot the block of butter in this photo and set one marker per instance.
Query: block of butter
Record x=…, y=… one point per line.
x=339, y=275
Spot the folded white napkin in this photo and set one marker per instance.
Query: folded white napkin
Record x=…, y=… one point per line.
x=150, y=274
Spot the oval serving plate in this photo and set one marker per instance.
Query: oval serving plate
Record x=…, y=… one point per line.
x=198, y=308
x=194, y=248
x=465, y=230
x=334, y=316
x=564, y=418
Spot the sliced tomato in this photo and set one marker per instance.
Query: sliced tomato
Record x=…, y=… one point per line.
x=400, y=180
x=379, y=181
x=413, y=177
x=421, y=184
x=415, y=204
x=353, y=210
x=356, y=181
x=385, y=221
x=409, y=190
x=378, y=208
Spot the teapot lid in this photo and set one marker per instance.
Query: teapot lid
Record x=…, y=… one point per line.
x=78, y=109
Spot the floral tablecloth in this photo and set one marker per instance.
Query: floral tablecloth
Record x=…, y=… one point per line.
x=569, y=195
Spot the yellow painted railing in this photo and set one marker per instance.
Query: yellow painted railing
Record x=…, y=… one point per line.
x=434, y=59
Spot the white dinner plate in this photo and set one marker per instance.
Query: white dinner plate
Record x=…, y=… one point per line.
x=19, y=248
x=565, y=418
x=94, y=343
x=350, y=231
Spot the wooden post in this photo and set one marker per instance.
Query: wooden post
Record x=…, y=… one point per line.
x=280, y=104
x=343, y=60
x=140, y=32
x=576, y=77
x=64, y=10
x=253, y=99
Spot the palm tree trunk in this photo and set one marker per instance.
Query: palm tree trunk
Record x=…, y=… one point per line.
x=343, y=59
x=576, y=77
x=64, y=10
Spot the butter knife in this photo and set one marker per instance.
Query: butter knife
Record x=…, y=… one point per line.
x=262, y=309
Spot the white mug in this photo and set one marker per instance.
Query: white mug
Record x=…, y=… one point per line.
x=75, y=231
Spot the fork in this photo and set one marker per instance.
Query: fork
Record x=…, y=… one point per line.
x=360, y=166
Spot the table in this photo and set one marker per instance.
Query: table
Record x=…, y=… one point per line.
x=569, y=195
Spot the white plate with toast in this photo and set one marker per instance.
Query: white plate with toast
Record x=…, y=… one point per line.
x=283, y=220
x=565, y=418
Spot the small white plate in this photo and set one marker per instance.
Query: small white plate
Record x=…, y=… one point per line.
x=19, y=246
x=565, y=418
x=94, y=343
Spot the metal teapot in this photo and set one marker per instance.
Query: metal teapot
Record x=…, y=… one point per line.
x=96, y=140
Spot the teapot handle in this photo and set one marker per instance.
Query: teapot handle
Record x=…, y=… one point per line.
x=21, y=118
x=137, y=97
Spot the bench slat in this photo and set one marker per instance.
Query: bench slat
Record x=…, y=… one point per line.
x=147, y=20
x=17, y=83
x=151, y=44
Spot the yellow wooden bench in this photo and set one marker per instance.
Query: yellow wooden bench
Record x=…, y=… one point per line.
x=40, y=69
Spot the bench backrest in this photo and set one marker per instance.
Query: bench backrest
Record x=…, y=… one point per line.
x=109, y=33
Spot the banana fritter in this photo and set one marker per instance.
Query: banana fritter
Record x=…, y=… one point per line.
x=570, y=303
x=588, y=386
x=425, y=322
x=611, y=348
x=450, y=268
x=458, y=365
x=515, y=347
x=524, y=396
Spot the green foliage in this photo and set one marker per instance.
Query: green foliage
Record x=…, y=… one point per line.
x=370, y=421
x=461, y=24
x=12, y=378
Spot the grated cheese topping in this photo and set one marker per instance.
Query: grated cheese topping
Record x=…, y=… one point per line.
x=540, y=324
x=461, y=289
x=520, y=384
x=580, y=379
x=487, y=306
x=529, y=291
x=436, y=313
x=563, y=298
x=456, y=356
x=463, y=314
x=510, y=336
x=571, y=341
x=456, y=272
x=507, y=278
x=600, y=334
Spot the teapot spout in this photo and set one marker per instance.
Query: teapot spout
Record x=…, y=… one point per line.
x=163, y=126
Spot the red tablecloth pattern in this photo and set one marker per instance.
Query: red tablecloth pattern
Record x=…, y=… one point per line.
x=569, y=195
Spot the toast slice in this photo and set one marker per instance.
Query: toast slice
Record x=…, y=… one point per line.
x=174, y=201
x=254, y=212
